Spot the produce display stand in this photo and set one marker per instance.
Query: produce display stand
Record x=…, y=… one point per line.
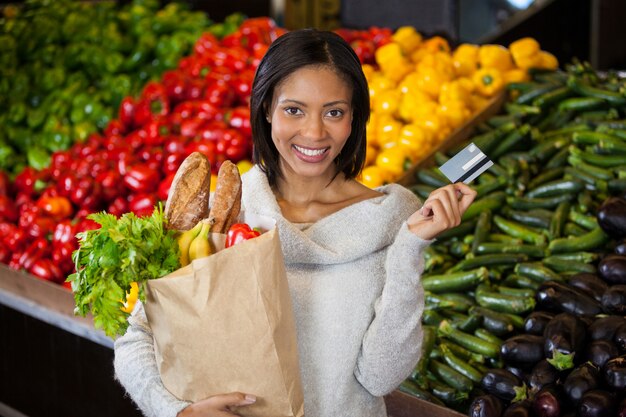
x=53, y=363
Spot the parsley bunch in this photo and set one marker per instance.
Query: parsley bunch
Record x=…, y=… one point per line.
x=108, y=259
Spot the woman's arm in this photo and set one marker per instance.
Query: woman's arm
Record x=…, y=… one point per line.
x=136, y=369
x=392, y=344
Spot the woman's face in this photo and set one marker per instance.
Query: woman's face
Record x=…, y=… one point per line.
x=311, y=119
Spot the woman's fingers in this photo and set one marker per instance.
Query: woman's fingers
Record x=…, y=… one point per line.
x=233, y=399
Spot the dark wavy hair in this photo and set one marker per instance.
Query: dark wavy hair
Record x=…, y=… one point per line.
x=287, y=54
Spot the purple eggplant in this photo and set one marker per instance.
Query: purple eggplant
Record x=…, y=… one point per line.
x=522, y=350
x=615, y=374
x=605, y=327
x=536, y=322
x=612, y=217
x=597, y=403
x=582, y=379
x=518, y=409
x=517, y=371
x=485, y=406
x=504, y=385
x=601, y=351
x=543, y=374
x=614, y=299
x=620, y=248
x=619, y=338
x=612, y=268
x=547, y=403
x=565, y=336
x=589, y=283
x=560, y=297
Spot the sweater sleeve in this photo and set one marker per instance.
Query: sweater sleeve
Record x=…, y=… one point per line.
x=392, y=344
x=136, y=369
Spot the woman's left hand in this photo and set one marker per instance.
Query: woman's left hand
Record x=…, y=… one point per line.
x=441, y=211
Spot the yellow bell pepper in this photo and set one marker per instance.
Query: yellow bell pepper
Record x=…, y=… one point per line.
x=408, y=38
x=413, y=104
x=488, y=81
x=454, y=91
x=368, y=71
x=515, y=75
x=455, y=113
x=394, y=160
x=244, y=166
x=378, y=84
x=437, y=44
x=416, y=140
x=387, y=102
x=392, y=62
x=429, y=80
x=131, y=298
x=495, y=56
x=387, y=129
x=525, y=52
x=370, y=129
x=419, y=54
x=373, y=176
x=465, y=59
x=548, y=61
x=441, y=62
x=370, y=154
x=431, y=122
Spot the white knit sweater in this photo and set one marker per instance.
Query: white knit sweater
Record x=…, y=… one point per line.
x=354, y=278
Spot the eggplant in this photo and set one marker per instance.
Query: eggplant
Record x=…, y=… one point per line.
x=612, y=217
x=560, y=297
x=582, y=379
x=597, y=403
x=565, y=336
x=518, y=409
x=589, y=283
x=614, y=300
x=601, y=351
x=619, y=338
x=543, y=374
x=615, y=374
x=547, y=402
x=522, y=350
x=519, y=372
x=504, y=384
x=605, y=327
x=536, y=322
x=485, y=406
x=620, y=248
x=612, y=268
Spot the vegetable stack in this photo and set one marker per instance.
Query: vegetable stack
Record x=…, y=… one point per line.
x=532, y=233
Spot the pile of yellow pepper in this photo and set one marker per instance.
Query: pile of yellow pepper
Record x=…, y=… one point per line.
x=421, y=91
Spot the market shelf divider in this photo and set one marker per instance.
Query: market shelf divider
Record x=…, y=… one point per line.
x=461, y=134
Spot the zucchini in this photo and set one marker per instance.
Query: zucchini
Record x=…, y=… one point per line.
x=467, y=226
x=468, y=341
x=557, y=224
x=502, y=238
x=411, y=388
x=504, y=303
x=603, y=161
x=518, y=292
x=432, y=177
x=486, y=142
x=564, y=266
x=539, y=90
x=579, y=86
x=548, y=148
x=497, y=323
x=517, y=230
x=589, y=241
x=459, y=281
x=581, y=103
x=493, y=202
x=537, y=272
x=583, y=220
x=510, y=141
x=450, y=376
x=447, y=394
x=556, y=188
x=525, y=203
x=461, y=352
x=533, y=251
x=483, y=227
x=596, y=172
x=572, y=229
x=488, y=336
x=460, y=365
x=532, y=218
x=488, y=260
x=519, y=281
x=559, y=159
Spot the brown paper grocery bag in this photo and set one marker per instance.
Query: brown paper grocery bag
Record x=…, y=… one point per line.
x=225, y=323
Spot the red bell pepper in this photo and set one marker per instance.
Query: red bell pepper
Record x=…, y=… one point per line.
x=46, y=269
x=142, y=204
x=127, y=112
x=140, y=178
x=118, y=206
x=8, y=209
x=164, y=187
x=239, y=232
x=37, y=249
x=5, y=184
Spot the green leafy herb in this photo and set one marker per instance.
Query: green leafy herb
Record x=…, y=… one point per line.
x=124, y=250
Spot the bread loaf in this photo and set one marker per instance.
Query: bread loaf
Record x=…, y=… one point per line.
x=188, y=199
x=226, y=199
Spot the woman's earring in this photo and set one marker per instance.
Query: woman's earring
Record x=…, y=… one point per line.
x=268, y=119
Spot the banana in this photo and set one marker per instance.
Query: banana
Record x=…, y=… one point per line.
x=200, y=246
x=184, y=241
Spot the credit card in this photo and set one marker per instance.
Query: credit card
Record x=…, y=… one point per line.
x=466, y=165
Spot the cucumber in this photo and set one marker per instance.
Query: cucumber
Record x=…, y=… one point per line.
x=519, y=231
x=533, y=251
x=589, y=241
x=556, y=188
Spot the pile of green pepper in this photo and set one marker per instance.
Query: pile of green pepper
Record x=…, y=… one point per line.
x=65, y=65
x=559, y=150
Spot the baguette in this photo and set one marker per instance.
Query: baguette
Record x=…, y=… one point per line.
x=188, y=199
x=226, y=199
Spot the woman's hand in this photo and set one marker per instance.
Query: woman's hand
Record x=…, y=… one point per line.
x=441, y=211
x=218, y=405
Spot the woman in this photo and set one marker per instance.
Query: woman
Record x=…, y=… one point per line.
x=353, y=255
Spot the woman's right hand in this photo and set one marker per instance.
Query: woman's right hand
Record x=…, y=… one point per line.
x=218, y=405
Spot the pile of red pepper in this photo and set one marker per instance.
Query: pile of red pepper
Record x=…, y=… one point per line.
x=200, y=106
x=365, y=42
